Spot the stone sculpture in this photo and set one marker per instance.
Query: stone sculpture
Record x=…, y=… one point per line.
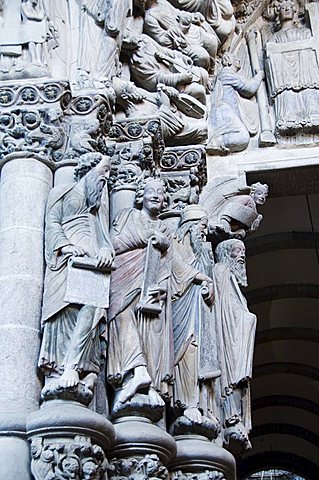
x=151, y=64
x=235, y=332
x=25, y=29
x=76, y=239
x=194, y=335
x=178, y=128
x=180, y=30
x=218, y=13
x=139, y=360
x=293, y=74
x=228, y=133
x=232, y=207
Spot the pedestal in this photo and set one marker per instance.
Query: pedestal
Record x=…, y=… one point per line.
x=196, y=455
x=141, y=448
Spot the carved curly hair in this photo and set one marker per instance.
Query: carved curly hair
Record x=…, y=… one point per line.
x=140, y=191
x=86, y=163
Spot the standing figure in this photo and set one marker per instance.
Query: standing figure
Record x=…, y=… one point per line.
x=228, y=133
x=140, y=360
x=293, y=72
x=235, y=333
x=73, y=344
x=194, y=332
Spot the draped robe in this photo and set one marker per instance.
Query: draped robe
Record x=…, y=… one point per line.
x=136, y=338
x=72, y=334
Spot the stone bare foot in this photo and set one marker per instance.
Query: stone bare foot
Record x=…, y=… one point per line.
x=70, y=378
x=193, y=414
x=140, y=380
x=90, y=380
x=155, y=398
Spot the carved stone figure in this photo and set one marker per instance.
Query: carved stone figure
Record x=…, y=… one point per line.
x=151, y=64
x=218, y=13
x=228, y=133
x=139, y=346
x=178, y=128
x=235, y=332
x=293, y=72
x=78, y=252
x=24, y=30
x=194, y=335
x=180, y=30
x=100, y=31
x=232, y=207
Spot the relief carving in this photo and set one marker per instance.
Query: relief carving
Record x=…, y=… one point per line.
x=293, y=71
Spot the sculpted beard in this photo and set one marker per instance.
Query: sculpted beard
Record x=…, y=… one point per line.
x=238, y=268
x=196, y=240
x=94, y=184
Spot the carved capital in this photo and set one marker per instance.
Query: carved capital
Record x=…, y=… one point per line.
x=206, y=475
x=147, y=467
x=73, y=458
x=140, y=129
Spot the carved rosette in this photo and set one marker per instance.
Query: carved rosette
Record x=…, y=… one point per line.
x=144, y=129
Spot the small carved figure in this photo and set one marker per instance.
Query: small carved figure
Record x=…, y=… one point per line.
x=178, y=128
x=139, y=347
x=218, y=13
x=76, y=235
x=232, y=207
x=235, y=332
x=180, y=30
x=24, y=27
x=193, y=330
x=151, y=64
x=228, y=132
x=293, y=74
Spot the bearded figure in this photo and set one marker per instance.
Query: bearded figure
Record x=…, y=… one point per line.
x=73, y=344
x=194, y=334
x=235, y=331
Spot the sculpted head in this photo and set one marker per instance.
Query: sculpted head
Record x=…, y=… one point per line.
x=233, y=254
x=94, y=167
x=286, y=10
x=194, y=222
x=259, y=192
x=151, y=196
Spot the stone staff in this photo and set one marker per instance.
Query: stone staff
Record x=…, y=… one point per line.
x=266, y=137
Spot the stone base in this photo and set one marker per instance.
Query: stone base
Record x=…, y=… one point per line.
x=141, y=448
x=197, y=456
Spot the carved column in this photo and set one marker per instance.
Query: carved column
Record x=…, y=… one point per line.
x=30, y=139
x=25, y=183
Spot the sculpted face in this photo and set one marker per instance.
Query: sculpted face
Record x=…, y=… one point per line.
x=153, y=197
x=287, y=11
x=202, y=227
x=260, y=195
x=238, y=253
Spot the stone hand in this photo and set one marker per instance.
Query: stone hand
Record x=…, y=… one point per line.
x=160, y=241
x=73, y=250
x=104, y=258
x=186, y=78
